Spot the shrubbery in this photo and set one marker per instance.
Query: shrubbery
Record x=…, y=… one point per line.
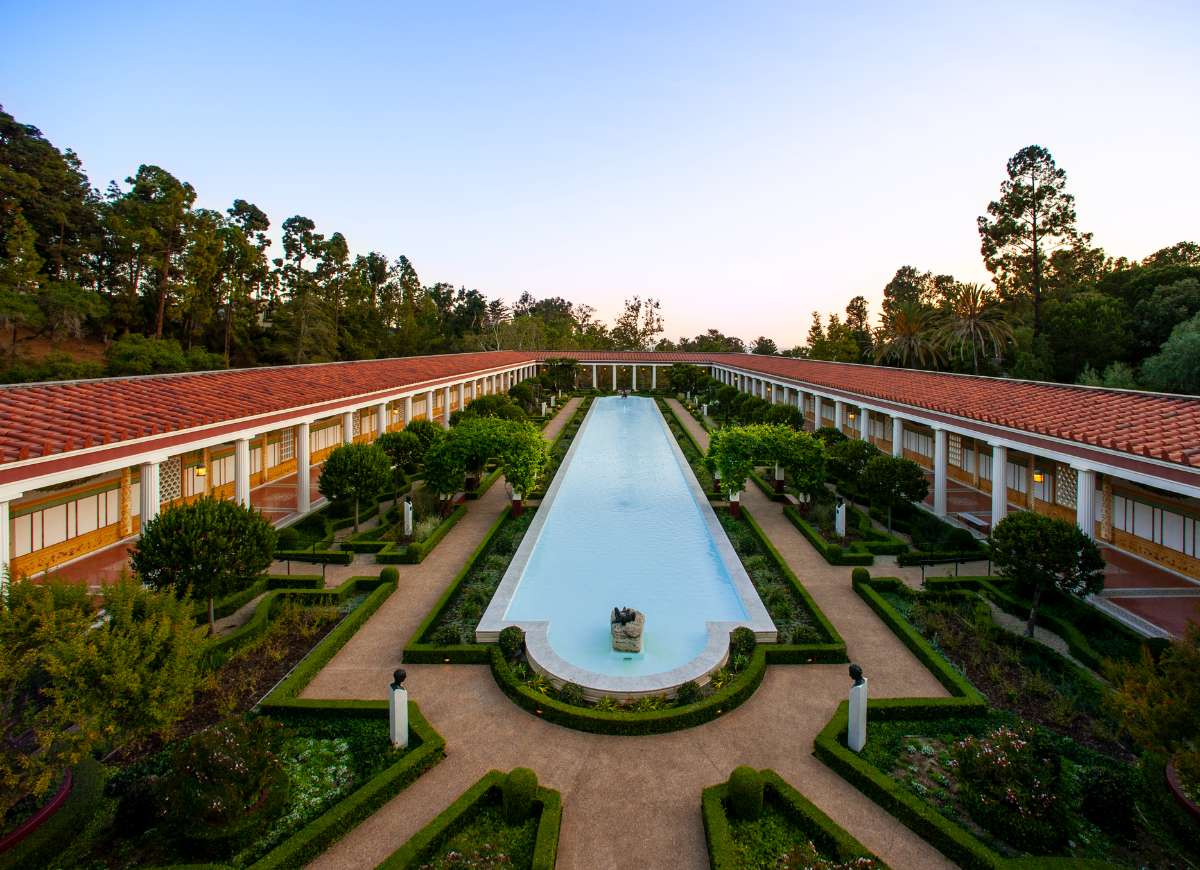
x=745, y=793
x=517, y=794
x=512, y=642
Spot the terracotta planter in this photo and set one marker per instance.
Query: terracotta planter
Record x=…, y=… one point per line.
x=735, y=509
x=779, y=485
x=1176, y=788
x=517, y=507
x=472, y=482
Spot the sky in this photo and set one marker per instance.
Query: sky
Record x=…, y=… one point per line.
x=744, y=163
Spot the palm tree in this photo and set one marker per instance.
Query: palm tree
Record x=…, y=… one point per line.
x=908, y=338
x=971, y=317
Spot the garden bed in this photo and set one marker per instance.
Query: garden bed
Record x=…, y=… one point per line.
x=474, y=831
x=1076, y=804
x=692, y=451
x=790, y=832
x=414, y=552
x=447, y=634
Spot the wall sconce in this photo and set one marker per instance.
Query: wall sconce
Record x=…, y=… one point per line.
x=1038, y=477
x=201, y=471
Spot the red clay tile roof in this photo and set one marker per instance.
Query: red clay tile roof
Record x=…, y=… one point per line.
x=1153, y=425
x=43, y=419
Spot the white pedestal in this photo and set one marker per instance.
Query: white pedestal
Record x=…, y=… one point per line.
x=398, y=717
x=543, y=409
x=704, y=410
x=839, y=521
x=856, y=736
x=408, y=519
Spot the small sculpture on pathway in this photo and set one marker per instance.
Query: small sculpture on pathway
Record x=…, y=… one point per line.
x=626, y=625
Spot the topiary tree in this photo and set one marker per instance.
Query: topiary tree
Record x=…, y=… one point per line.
x=745, y=793
x=444, y=472
x=476, y=440
x=523, y=395
x=742, y=642
x=389, y=575
x=426, y=431
x=1046, y=553
x=404, y=448
x=204, y=550
x=355, y=473
x=523, y=458
x=733, y=451
x=891, y=481
x=512, y=642
x=495, y=405
x=517, y=794
x=848, y=458
x=561, y=372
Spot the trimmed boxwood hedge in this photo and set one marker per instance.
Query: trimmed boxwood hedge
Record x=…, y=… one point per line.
x=558, y=449
x=295, y=581
x=43, y=845
x=286, y=695
x=834, y=554
x=418, y=650
x=223, y=607
x=1074, y=620
x=692, y=451
x=965, y=699
x=425, y=844
x=627, y=723
x=220, y=648
x=425, y=749
x=395, y=553
x=951, y=839
x=830, y=838
x=833, y=650
x=328, y=557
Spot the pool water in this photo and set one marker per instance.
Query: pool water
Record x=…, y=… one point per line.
x=625, y=524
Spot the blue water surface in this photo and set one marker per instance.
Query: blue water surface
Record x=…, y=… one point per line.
x=625, y=529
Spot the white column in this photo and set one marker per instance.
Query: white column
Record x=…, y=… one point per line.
x=381, y=418
x=445, y=407
x=429, y=405
x=633, y=374
x=864, y=422
x=348, y=427
x=594, y=376
x=407, y=410
x=818, y=420
x=614, y=380
x=5, y=546
x=303, y=473
x=838, y=410
x=1085, y=500
x=939, y=472
x=241, y=471
x=148, y=492
x=653, y=377
x=999, y=483
x=897, y=436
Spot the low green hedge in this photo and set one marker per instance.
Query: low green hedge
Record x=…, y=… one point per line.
x=286, y=695
x=412, y=554
x=328, y=557
x=830, y=838
x=1074, y=620
x=626, y=723
x=965, y=699
x=833, y=650
x=338, y=522
x=223, y=607
x=42, y=846
x=418, y=650
x=295, y=581
x=425, y=749
x=426, y=843
x=834, y=554
x=222, y=647
x=558, y=450
x=485, y=484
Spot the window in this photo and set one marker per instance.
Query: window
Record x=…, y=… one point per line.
x=918, y=442
x=54, y=524
x=985, y=466
x=955, y=450
x=287, y=445
x=1017, y=477
x=1161, y=526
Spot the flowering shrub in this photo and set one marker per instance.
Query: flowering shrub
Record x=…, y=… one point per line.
x=1011, y=785
x=806, y=856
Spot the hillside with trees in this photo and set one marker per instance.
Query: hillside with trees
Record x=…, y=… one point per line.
x=135, y=278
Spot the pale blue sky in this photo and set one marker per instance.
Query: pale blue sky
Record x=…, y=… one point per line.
x=746, y=163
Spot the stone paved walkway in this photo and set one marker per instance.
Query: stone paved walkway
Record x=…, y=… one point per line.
x=620, y=792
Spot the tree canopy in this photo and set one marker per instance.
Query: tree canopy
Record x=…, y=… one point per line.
x=355, y=473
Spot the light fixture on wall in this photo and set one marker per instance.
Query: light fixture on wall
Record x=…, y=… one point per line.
x=1038, y=477
x=201, y=471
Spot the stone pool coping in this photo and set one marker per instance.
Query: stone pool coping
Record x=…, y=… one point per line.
x=546, y=661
